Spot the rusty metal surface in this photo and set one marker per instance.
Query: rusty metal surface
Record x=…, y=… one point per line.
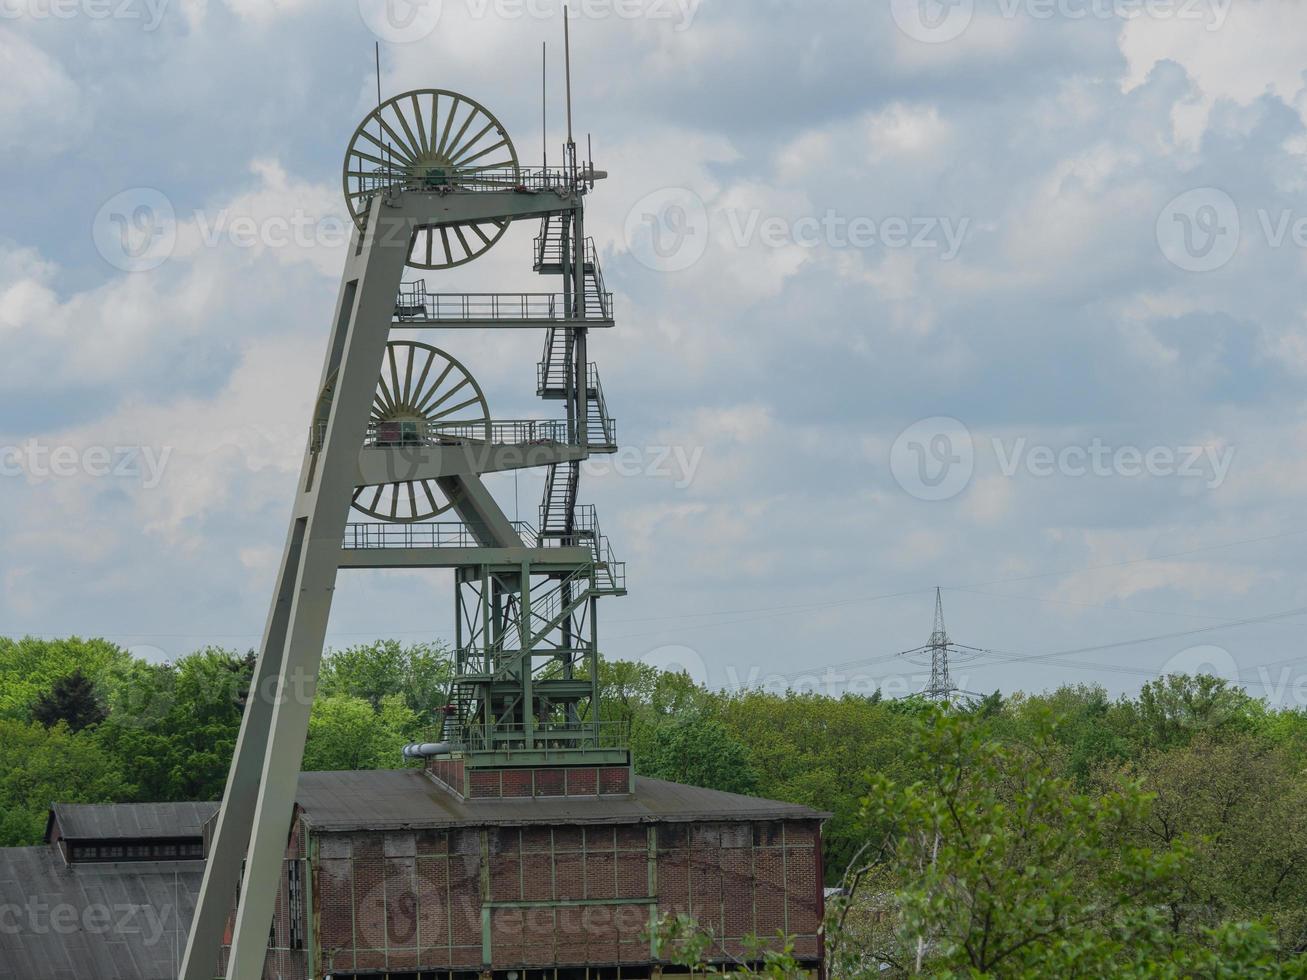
x=408, y=798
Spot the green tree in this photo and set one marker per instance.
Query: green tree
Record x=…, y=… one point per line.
x=1240, y=807
x=999, y=866
x=347, y=733
x=175, y=725
x=698, y=752
x=72, y=700
x=40, y=766
x=29, y=668
x=821, y=752
x=418, y=672
x=1173, y=709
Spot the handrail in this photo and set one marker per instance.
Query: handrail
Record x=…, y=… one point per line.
x=509, y=737
x=410, y=434
x=365, y=536
x=446, y=181
x=415, y=303
x=506, y=432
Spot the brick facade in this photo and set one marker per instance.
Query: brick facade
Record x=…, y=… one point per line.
x=543, y=896
x=527, y=783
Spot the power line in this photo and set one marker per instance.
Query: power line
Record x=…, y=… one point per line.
x=1007, y=657
x=765, y=613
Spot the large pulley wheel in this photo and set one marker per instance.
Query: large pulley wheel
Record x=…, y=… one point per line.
x=422, y=393
x=434, y=140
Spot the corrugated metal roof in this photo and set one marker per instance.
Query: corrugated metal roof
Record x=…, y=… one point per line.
x=87, y=821
x=92, y=922
x=408, y=798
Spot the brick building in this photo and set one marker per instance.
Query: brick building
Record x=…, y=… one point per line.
x=397, y=874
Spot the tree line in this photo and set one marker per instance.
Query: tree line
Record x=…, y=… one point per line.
x=1160, y=834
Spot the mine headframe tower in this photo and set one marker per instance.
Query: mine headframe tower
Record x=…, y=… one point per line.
x=401, y=436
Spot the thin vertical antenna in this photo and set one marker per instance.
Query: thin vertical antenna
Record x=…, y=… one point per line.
x=567, y=57
x=590, y=155
x=376, y=47
x=544, y=103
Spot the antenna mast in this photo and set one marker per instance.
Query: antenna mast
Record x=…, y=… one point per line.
x=544, y=104
x=567, y=59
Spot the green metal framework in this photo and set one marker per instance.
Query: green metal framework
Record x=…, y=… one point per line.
x=401, y=434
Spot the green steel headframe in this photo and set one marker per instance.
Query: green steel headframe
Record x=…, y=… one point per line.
x=400, y=439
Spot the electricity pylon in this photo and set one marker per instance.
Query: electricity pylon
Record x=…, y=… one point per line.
x=941, y=650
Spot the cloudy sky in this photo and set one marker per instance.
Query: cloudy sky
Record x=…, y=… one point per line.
x=1004, y=296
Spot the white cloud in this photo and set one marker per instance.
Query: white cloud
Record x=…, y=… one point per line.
x=41, y=108
x=1256, y=50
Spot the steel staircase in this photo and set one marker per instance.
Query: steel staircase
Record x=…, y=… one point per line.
x=559, y=602
x=551, y=259
x=551, y=384
x=583, y=530
x=463, y=705
x=555, y=364
x=549, y=245
x=558, y=506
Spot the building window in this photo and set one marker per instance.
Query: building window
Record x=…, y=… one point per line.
x=295, y=904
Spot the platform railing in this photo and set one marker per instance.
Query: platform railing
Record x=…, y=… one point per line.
x=507, y=738
x=414, y=303
x=446, y=181
x=505, y=432
x=433, y=534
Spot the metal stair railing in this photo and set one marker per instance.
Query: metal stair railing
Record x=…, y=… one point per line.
x=555, y=362
x=600, y=429
x=610, y=574
x=559, y=500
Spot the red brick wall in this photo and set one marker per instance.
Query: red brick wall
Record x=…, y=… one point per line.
x=391, y=901
x=742, y=879
x=537, y=782
x=410, y=900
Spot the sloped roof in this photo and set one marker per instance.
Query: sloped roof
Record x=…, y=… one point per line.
x=90, y=821
x=409, y=798
x=131, y=919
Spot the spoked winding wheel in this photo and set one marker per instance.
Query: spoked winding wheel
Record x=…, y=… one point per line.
x=431, y=139
x=419, y=385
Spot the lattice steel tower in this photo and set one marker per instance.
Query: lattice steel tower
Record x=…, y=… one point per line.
x=940, y=651
x=401, y=437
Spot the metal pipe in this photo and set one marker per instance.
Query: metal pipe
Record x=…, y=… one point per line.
x=425, y=750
